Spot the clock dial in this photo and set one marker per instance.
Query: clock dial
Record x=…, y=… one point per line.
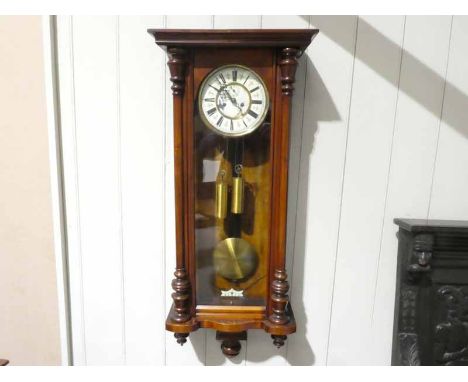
x=233, y=100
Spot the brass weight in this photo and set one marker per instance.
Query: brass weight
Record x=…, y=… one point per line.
x=237, y=198
x=221, y=197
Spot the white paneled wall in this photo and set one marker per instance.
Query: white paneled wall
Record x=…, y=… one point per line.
x=379, y=130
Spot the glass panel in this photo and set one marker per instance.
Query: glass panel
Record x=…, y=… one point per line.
x=232, y=215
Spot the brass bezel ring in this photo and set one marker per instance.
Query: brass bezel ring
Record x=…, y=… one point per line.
x=215, y=129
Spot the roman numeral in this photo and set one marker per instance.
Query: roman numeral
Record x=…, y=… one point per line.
x=220, y=121
x=246, y=78
x=244, y=123
x=221, y=79
x=210, y=100
x=234, y=75
x=232, y=125
x=214, y=87
x=257, y=102
x=254, y=89
x=252, y=113
x=211, y=111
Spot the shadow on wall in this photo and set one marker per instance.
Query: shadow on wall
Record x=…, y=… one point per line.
x=300, y=351
x=421, y=74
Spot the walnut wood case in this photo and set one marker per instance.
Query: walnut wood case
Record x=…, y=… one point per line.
x=192, y=55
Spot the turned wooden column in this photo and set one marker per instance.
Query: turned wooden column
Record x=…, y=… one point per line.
x=177, y=66
x=286, y=70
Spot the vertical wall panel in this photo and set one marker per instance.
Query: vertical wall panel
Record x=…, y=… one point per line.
x=423, y=68
x=372, y=113
x=323, y=140
x=98, y=156
x=236, y=22
x=450, y=189
x=141, y=91
x=194, y=350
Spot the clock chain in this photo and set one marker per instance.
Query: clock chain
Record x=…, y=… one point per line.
x=234, y=220
x=237, y=200
x=221, y=191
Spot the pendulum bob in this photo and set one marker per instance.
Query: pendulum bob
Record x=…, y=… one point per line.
x=235, y=259
x=237, y=197
x=221, y=199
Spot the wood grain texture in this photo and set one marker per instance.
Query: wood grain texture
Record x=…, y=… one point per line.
x=194, y=350
x=295, y=38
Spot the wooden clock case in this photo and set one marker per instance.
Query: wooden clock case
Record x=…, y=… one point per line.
x=192, y=54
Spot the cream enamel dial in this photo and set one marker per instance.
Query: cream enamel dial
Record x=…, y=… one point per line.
x=233, y=100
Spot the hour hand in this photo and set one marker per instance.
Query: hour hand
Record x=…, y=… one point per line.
x=233, y=100
x=229, y=96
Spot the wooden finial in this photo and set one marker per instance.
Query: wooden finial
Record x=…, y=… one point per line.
x=279, y=297
x=181, y=296
x=177, y=66
x=288, y=64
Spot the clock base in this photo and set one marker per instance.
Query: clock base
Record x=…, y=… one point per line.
x=231, y=331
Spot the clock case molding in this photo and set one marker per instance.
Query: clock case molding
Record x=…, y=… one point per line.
x=283, y=48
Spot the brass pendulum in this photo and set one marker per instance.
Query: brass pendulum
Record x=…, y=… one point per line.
x=237, y=199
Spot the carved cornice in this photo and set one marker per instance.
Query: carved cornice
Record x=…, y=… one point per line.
x=299, y=38
x=177, y=66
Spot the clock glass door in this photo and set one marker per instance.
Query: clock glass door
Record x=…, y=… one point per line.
x=232, y=180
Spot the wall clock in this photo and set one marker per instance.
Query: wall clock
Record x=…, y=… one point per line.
x=232, y=92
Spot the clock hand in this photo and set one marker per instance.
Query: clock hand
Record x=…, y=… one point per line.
x=225, y=90
x=233, y=100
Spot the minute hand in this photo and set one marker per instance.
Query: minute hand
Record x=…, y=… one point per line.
x=233, y=100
